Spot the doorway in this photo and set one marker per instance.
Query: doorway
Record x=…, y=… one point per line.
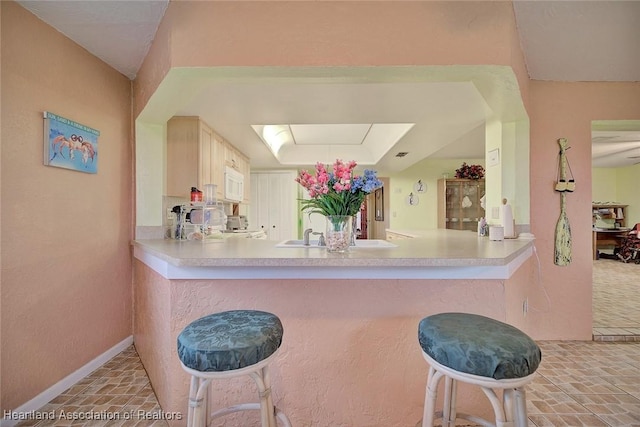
x=615, y=153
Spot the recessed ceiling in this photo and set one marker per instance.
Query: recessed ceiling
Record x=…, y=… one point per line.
x=561, y=41
x=300, y=144
x=418, y=117
x=331, y=134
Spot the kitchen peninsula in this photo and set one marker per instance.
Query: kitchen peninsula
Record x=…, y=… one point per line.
x=349, y=354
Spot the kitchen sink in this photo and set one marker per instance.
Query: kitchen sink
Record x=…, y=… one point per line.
x=363, y=243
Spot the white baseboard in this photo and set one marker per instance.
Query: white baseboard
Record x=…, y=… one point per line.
x=49, y=394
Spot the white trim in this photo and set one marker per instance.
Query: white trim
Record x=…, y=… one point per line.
x=49, y=394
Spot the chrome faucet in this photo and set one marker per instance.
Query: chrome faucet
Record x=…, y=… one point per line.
x=305, y=240
x=321, y=241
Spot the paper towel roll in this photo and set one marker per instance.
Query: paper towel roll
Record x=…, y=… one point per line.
x=506, y=217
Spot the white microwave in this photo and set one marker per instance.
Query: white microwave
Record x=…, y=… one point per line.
x=233, y=185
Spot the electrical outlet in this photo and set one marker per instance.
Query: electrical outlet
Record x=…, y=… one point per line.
x=525, y=307
x=169, y=213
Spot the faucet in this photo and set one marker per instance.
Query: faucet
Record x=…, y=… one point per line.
x=305, y=240
x=321, y=241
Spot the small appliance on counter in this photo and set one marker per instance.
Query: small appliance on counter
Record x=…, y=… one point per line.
x=237, y=222
x=198, y=222
x=237, y=227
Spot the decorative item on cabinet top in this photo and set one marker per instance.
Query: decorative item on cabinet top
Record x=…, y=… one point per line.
x=470, y=171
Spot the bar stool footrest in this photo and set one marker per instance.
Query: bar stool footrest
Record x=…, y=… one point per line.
x=248, y=407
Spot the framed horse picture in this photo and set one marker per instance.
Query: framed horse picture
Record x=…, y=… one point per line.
x=70, y=145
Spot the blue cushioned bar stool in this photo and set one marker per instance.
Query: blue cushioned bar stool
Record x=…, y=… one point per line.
x=480, y=351
x=226, y=345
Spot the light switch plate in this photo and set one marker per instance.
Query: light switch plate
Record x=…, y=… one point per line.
x=495, y=213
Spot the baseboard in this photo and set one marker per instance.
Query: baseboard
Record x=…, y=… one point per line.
x=49, y=394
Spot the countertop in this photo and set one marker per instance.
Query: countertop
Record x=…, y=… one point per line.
x=437, y=253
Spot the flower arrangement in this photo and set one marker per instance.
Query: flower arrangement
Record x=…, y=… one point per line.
x=339, y=192
x=470, y=171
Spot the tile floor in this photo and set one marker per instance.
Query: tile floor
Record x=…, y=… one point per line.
x=579, y=383
x=616, y=300
x=119, y=387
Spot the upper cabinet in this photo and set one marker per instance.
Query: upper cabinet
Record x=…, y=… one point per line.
x=217, y=164
x=196, y=156
x=238, y=161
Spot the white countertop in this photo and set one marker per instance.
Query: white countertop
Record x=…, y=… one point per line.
x=438, y=253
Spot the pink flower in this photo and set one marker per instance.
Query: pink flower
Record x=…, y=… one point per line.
x=339, y=192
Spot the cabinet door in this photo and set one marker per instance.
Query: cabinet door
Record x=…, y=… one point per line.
x=205, y=171
x=231, y=157
x=274, y=205
x=459, y=204
x=245, y=170
x=253, y=215
x=183, y=155
x=470, y=205
x=263, y=193
x=259, y=208
x=217, y=165
x=453, y=205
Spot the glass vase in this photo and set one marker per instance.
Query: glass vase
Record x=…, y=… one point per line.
x=338, y=235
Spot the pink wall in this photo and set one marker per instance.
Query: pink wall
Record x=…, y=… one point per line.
x=566, y=110
x=71, y=267
x=350, y=354
x=426, y=33
x=301, y=33
x=66, y=261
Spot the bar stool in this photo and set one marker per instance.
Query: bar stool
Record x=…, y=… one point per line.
x=227, y=345
x=480, y=351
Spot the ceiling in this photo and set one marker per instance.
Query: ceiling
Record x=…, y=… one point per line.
x=561, y=40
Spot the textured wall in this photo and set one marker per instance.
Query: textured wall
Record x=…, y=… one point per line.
x=350, y=354
x=566, y=110
x=424, y=215
x=302, y=33
x=430, y=33
x=66, y=268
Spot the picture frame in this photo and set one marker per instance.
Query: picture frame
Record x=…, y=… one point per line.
x=378, y=204
x=70, y=145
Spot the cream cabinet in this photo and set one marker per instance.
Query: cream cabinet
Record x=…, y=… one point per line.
x=459, y=203
x=196, y=156
x=189, y=154
x=233, y=158
x=274, y=205
x=217, y=164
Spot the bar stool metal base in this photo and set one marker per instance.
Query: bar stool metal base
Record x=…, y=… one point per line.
x=199, y=390
x=510, y=411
